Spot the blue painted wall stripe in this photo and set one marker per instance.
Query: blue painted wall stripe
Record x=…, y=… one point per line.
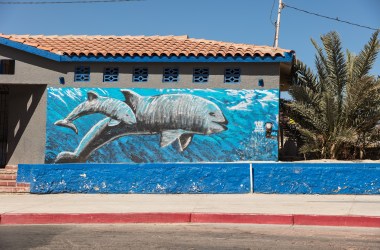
x=137, y=178
x=278, y=178
x=288, y=56
x=317, y=178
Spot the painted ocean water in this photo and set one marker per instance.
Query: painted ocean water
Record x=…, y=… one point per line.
x=246, y=110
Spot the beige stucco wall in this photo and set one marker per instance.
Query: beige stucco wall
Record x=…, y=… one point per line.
x=26, y=124
x=32, y=69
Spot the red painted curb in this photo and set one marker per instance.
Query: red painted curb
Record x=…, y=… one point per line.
x=316, y=220
x=242, y=218
x=35, y=218
x=336, y=220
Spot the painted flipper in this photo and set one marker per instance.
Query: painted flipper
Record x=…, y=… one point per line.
x=184, y=141
x=66, y=123
x=170, y=136
x=67, y=157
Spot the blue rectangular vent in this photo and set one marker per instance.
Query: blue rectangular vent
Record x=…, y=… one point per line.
x=200, y=75
x=232, y=75
x=170, y=75
x=261, y=82
x=82, y=74
x=111, y=75
x=140, y=75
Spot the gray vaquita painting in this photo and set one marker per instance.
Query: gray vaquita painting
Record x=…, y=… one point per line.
x=112, y=125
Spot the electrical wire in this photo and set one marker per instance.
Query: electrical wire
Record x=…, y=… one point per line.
x=331, y=18
x=271, y=12
x=67, y=2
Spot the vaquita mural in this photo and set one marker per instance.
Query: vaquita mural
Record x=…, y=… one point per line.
x=112, y=125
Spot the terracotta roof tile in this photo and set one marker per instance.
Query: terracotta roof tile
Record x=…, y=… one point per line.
x=141, y=45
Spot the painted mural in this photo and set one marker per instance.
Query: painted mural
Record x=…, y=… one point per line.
x=112, y=125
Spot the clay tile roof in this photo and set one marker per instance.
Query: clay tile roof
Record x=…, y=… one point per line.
x=74, y=45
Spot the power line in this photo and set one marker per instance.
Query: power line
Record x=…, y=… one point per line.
x=271, y=12
x=331, y=18
x=67, y=2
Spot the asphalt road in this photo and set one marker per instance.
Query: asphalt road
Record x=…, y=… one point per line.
x=186, y=236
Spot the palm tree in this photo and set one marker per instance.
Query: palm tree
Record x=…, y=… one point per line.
x=337, y=107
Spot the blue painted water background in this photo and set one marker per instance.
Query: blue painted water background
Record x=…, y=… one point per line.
x=246, y=110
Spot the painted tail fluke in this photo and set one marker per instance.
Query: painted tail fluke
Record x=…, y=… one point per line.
x=68, y=157
x=67, y=124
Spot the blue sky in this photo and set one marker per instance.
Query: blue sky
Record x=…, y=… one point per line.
x=240, y=21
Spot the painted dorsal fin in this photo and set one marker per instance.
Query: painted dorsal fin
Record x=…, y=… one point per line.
x=131, y=98
x=169, y=136
x=92, y=95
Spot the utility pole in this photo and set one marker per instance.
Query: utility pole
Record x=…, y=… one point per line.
x=280, y=7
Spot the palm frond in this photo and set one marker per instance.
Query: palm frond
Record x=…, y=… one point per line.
x=338, y=107
x=321, y=65
x=367, y=57
x=308, y=117
x=303, y=76
x=336, y=64
x=312, y=143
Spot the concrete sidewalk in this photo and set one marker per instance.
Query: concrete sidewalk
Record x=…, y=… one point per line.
x=331, y=210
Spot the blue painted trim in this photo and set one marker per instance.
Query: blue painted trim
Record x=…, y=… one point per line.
x=30, y=49
x=182, y=59
x=288, y=56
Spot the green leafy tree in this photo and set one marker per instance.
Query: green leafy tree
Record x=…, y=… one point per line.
x=336, y=109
